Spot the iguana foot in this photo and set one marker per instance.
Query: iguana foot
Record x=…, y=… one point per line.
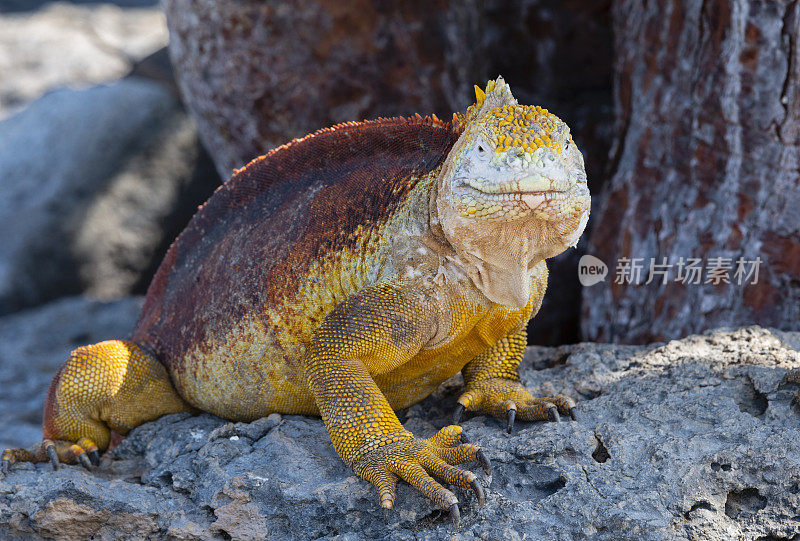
x=508, y=399
x=414, y=460
x=85, y=453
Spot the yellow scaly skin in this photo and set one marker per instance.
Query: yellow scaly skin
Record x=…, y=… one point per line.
x=446, y=283
x=493, y=386
x=97, y=390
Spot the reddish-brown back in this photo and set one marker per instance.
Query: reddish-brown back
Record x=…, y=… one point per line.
x=250, y=245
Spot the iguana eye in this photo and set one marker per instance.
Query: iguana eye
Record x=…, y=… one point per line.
x=481, y=149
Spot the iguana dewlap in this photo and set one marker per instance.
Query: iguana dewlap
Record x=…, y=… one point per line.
x=347, y=274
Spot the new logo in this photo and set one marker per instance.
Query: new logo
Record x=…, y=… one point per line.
x=591, y=270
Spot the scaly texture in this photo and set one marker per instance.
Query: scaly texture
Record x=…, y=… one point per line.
x=111, y=385
x=493, y=385
x=347, y=274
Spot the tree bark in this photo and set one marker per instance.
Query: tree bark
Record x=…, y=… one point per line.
x=707, y=166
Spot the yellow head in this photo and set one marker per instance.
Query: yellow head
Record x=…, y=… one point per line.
x=513, y=188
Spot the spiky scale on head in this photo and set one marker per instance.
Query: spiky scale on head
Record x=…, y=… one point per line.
x=524, y=127
x=506, y=125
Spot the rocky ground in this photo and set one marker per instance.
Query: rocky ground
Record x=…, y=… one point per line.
x=693, y=439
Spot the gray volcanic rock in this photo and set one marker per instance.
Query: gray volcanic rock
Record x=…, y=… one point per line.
x=694, y=439
x=95, y=185
x=62, y=44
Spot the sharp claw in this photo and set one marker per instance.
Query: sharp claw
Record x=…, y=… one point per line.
x=572, y=414
x=478, y=491
x=487, y=466
x=4, y=465
x=84, y=460
x=511, y=415
x=457, y=413
x=51, y=452
x=455, y=514
x=552, y=414
x=94, y=457
x=464, y=438
x=387, y=515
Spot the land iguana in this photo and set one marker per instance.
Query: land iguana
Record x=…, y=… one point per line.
x=347, y=274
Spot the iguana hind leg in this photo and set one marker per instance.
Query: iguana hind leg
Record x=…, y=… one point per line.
x=113, y=385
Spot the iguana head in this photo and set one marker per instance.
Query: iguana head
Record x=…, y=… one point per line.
x=512, y=192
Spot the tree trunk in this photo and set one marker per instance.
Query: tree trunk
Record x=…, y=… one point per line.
x=707, y=166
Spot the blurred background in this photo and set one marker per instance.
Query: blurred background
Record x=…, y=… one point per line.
x=117, y=119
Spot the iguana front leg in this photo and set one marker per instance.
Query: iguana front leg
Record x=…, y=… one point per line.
x=373, y=332
x=493, y=386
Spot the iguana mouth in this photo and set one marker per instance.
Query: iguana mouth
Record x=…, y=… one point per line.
x=510, y=194
x=534, y=184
